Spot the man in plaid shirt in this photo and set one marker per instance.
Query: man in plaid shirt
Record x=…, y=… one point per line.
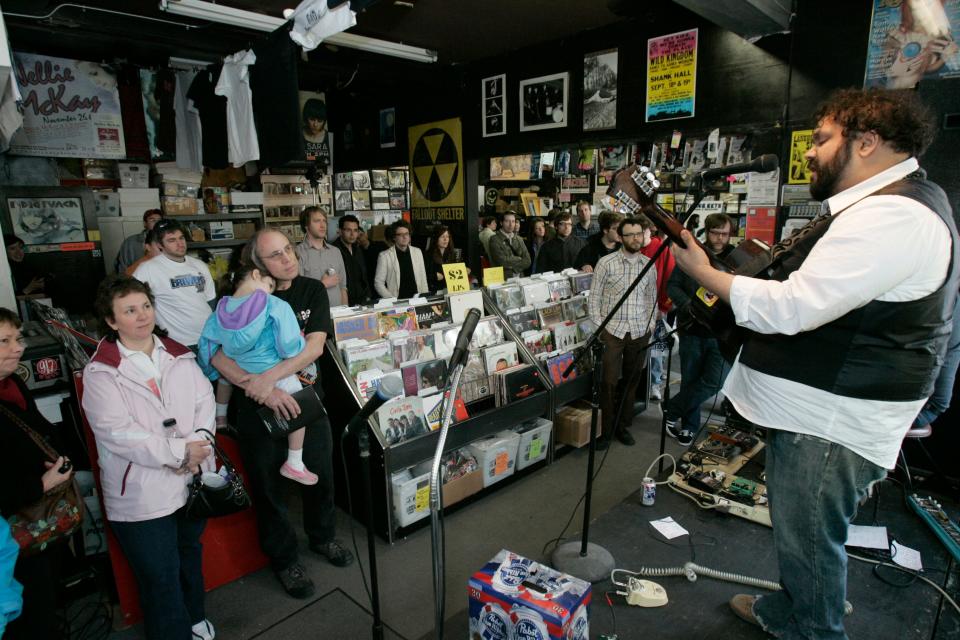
x=626, y=337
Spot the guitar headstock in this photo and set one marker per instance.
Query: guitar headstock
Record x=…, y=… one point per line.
x=632, y=188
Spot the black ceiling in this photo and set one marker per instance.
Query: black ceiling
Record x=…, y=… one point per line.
x=461, y=31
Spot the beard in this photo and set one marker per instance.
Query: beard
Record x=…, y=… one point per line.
x=828, y=174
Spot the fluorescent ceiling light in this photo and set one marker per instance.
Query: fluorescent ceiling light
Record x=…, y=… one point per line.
x=204, y=10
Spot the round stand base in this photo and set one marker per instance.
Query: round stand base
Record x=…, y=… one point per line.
x=593, y=567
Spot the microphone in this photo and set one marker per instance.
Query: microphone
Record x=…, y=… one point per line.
x=764, y=164
x=388, y=388
x=459, y=354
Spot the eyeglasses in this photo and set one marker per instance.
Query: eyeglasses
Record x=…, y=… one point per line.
x=565, y=224
x=288, y=250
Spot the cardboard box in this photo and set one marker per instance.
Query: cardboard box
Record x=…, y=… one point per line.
x=534, y=441
x=411, y=497
x=134, y=176
x=180, y=189
x=179, y=206
x=573, y=424
x=244, y=230
x=463, y=487
x=221, y=230
x=514, y=597
x=496, y=456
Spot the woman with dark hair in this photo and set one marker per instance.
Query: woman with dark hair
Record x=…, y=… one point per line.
x=25, y=476
x=441, y=253
x=538, y=237
x=146, y=401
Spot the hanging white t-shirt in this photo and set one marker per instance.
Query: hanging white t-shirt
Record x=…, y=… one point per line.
x=314, y=21
x=189, y=135
x=182, y=291
x=234, y=84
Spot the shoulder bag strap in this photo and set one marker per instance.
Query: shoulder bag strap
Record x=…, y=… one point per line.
x=217, y=450
x=40, y=442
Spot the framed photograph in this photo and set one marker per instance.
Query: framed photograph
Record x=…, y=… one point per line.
x=344, y=201
x=344, y=180
x=361, y=180
x=361, y=200
x=543, y=102
x=397, y=179
x=495, y=105
x=378, y=178
x=600, y=90
x=388, y=128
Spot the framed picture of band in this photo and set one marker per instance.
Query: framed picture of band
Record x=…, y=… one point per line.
x=543, y=102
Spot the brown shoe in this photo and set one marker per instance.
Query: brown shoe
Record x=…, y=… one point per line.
x=742, y=605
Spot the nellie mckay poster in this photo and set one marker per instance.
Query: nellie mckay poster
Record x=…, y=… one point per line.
x=71, y=109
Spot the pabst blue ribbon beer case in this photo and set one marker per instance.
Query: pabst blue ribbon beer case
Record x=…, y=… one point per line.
x=515, y=598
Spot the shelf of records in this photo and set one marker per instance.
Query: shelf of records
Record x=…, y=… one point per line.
x=286, y=196
x=373, y=190
x=548, y=312
x=412, y=340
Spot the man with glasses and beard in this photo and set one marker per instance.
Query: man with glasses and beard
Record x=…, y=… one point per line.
x=625, y=337
x=845, y=342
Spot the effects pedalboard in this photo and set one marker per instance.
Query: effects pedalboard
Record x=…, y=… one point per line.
x=722, y=469
x=931, y=512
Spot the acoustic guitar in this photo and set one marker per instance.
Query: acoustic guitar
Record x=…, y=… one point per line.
x=634, y=190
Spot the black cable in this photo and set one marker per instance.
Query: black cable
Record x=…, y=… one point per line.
x=353, y=534
x=613, y=611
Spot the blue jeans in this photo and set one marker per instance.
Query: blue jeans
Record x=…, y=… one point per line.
x=943, y=387
x=166, y=557
x=702, y=371
x=814, y=487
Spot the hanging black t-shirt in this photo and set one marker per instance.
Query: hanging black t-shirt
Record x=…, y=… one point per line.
x=213, y=117
x=167, y=131
x=276, y=99
x=308, y=298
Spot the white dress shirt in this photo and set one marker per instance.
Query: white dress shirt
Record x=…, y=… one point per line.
x=888, y=248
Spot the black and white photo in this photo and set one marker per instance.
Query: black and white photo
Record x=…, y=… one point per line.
x=543, y=102
x=494, y=106
x=600, y=90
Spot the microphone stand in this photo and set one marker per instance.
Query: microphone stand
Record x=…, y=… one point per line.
x=436, y=502
x=587, y=560
x=363, y=443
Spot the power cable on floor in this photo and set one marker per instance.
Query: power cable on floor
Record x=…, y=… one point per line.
x=353, y=533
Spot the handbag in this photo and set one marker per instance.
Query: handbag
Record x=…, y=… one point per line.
x=220, y=496
x=53, y=517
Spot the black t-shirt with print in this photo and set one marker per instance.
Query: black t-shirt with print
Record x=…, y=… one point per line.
x=310, y=304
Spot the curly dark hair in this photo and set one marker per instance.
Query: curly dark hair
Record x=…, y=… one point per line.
x=897, y=116
x=113, y=287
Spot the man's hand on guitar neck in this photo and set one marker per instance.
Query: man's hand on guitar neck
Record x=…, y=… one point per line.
x=694, y=261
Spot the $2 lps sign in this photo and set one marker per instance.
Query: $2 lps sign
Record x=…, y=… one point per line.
x=456, y=277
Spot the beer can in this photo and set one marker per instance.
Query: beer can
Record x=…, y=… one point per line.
x=649, y=492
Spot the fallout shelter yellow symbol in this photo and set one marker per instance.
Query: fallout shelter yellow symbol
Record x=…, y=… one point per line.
x=435, y=166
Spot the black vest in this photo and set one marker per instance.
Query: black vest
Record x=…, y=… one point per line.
x=880, y=351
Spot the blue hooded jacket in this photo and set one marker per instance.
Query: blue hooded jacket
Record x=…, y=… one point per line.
x=257, y=331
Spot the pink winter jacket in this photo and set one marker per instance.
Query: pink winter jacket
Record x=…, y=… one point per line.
x=138, y=455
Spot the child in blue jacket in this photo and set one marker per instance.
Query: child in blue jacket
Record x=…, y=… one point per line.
x=257, y=330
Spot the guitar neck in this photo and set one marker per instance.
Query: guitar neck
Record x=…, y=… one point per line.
x=671, y=228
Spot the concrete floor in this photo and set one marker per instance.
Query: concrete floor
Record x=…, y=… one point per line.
x=521, y=517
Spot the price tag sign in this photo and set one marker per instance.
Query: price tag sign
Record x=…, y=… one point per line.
x=535, y=447
x=422, y=499
x=501, y=463
x=492, y=275
x=456, y=277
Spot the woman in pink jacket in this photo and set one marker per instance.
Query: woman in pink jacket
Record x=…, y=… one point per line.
x=145, y=398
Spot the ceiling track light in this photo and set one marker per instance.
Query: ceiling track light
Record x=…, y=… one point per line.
x=212, y=12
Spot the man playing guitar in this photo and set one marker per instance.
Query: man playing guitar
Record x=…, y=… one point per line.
x=844, y=342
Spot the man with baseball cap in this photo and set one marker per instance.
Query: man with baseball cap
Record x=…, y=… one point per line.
x=132, y=248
